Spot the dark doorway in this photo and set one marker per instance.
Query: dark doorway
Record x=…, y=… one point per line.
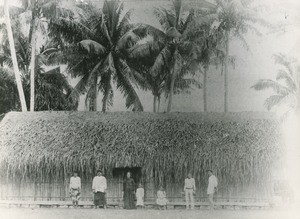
x=120, y=173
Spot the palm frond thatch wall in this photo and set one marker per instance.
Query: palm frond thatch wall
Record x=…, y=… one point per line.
x=242, y=148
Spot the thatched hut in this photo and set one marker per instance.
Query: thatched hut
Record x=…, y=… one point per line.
x=40, y=150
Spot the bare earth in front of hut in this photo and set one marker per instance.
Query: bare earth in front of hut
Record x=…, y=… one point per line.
x=18, y=213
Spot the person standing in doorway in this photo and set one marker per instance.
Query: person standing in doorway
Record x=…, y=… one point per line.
x=211, y=188
x=129, y=192
x=75, y=188
x=99, y=187
x=189, y=190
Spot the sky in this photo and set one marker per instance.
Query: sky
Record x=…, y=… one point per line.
x=251, y=65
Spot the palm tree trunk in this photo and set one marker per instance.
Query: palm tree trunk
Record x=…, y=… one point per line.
x=171, y=91
x=32, y=18
x=154, y=103
x=96, y=95
x=205, y=89
x=158, y=103
x=32, y=65
x=226, y=73
x=104, y=104
x=104, y=101
x=14, y=58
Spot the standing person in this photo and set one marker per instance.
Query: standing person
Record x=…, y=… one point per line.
x=129, y=192
x=75, y=188
x=161, y=200
x=189, y=189
x=99, y=189
x=211, y=188
x=140, y=196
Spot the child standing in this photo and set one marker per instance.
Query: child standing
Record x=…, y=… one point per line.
x=140, y=196
x=161, y=200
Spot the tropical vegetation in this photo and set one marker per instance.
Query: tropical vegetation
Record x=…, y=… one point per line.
x=95, y=49
x=234, y=18
x=286, y=86
x=102, y=48
x=53, y=92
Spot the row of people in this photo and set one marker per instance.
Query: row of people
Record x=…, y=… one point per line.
x=99, y=186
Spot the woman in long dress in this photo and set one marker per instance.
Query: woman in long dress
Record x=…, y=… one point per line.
x=129, y=192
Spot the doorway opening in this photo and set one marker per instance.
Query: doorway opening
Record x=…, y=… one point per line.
x=120, y=173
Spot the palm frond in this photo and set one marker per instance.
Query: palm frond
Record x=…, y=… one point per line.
x=291, y=84
x=140, y=79
x=162, y=61
x=92, y=75
x=81, y=86
x=273, y=100
x=161, y=16
x=177, y=4
x=283, y=60
x=54, y=92
x=105, y=30
x=140, y=51
x=184, y=24
x=143, y=30
x=124, y=85
x=184, y=85
x=124, y=25
x=148, y=50
x=71, y=31
x=53, y=9
x=111, y=11
x=7, y=74
x=270, y=84
x=127, y=40
x=92, y=46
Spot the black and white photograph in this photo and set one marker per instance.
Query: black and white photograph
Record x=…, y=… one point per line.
x=150, y=109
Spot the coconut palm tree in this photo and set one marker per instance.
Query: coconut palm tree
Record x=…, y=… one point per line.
x=53, y=92
x=172, y=40
x=38, y=13
x=206, y=51
x=234, y=18
x=14, y=58
x=159, y=83
x=207, y=54
x=94, y=47
x=286, y=86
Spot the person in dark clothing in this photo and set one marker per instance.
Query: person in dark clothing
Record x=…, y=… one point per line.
x=129, y=192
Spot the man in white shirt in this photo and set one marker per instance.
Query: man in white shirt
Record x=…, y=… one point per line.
x=189, y=189
x=99, y=187
x=75, y=188
x=211, y=188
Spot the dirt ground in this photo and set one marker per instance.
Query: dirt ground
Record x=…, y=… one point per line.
x=19, y=213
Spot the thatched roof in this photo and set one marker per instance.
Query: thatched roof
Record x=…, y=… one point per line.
x=239, y=146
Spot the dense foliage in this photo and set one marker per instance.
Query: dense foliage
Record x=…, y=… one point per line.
x=95, y=50
x=53, y=92
x=9, y=99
